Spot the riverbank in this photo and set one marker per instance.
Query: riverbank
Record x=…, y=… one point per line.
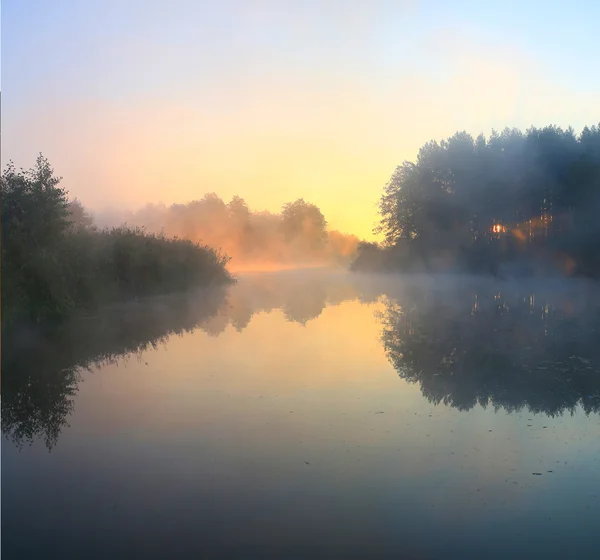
x=56, y=264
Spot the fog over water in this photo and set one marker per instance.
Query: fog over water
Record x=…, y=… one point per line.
x=313, y=413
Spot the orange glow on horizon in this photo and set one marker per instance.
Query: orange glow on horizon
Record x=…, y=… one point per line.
x=251, y=267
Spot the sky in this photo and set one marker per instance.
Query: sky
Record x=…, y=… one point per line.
x=141, y=101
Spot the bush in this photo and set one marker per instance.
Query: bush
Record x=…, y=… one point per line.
x=55, y=263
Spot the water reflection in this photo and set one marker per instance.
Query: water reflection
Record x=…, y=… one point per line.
x=501, y=348
x=302, y=296
x=42, y=368
x=464, y=341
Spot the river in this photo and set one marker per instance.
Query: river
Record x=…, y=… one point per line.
x=310, y=414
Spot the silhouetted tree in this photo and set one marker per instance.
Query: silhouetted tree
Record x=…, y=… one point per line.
x=298, y=235
x=79, y=218
x=54, y=262
x=514, y=197
x=305, y=220
x=35, y=220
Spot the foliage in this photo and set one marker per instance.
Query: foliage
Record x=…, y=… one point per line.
x=54, y=261
x=514, y=197
x=300, y=218
x=79, y=218
x=297, y=235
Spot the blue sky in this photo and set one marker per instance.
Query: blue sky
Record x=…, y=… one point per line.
x=61, y=41
x=276, y=100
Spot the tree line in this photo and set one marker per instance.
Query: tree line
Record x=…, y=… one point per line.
x=517, y=203
x=297, y=235
x=55, y=262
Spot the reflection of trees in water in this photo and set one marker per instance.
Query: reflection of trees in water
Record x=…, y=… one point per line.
x=41, y=368
x=305, y=305
x=37, y=404
x=504, y=350
x=463, y=345
x=301, y=296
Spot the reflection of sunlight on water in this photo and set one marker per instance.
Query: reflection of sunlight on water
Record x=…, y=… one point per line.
x=261, y=267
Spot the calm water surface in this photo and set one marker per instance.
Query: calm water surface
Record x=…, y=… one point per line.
x=310, y=415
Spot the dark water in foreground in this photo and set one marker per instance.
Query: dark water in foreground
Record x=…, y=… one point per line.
x=310, y=415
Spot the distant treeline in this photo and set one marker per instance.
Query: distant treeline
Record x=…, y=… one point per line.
x=515, y=203
x=55, y=262
x=296, y=236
